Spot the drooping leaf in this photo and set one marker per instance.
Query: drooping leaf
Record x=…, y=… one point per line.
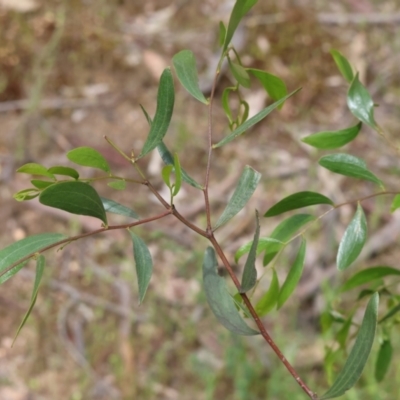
x=219, y=299
x=369, y=275
x=263, y=243
x=143, y=263
x=40, y=264
x=274, y=86
x=23, y=248
x=293, y=276
x=88, y=157
x=41, y=184
x=186, y=70
x=35, y=169
x=253, y=120
x=245, y=113
x=112, y=206
x=178, y=176
x=162, y=118
x=297, y=200
x=117, y=185
x=343, y=65
x=249, y=277
x=26, y=194
x=333, y=140
x=383, y=360
x=268, y=301
x=395, y=204
x=353, y=240
x=239, y=73
x=225, y=102
x=360, y=103
x=359, y=354
x=65, y=171
x=247, y=185
x=76, y=198
x=348, y=165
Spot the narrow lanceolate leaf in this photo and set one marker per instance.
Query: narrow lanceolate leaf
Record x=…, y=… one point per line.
x=274, y=86
x=219, y=299
x=40, y=264
x=346, y=164
x=263, y=243
x=268, y=301
x=222, y=33
x=359, y=354
x=74, y=197
x=293, y=276
x=147, y=116
x=166, y=174
x=383, y=361
x=65, y=171
x=240, y=74
x=247, y=185
x=112, y=206
x=117, y=185
x=395, y=204
x=144, y=264
x=178, y=176
x=333, y=140
x=186, y=70
x=23, y=248
x=249, y=277
x=162, y=118
x=297, y=200
x=252, y=121
x=35, y=169
x=360, y=103
x=343, y=65
x=369, y=275
x=88, y=157
x=353, y=240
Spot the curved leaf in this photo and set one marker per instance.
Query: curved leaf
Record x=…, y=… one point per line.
x=239, y=73
x=274, y=86
x=35, y=169
x=112, y=206
x=395, y=204
x=65, y=171
x=26, y=194
x=383, y=361
x=268, y=301
x=74, y=197
x=41, y=184
x=219, y=299
x=359, y=354
x=353, y=240
x=343, y=65
x=178, y=176
x=88, y=157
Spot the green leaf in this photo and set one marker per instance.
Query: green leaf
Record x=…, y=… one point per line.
x=186, y=70
x=166, y=174
x=297, y=200
x=359, y=354
x=360, y=103
x=65, y=171
x=74, y=197
x=23, y=248
x=252, y=121
x=332, y=140
x=249, y=277
x=26, y=194
x=263, y=243
x=35, y=169
x=147, y=116
x=117, y=185
x=144, y=264
x=222, y=33
x=162, y=118
x=274, y=86
x=394, y=310
x=348, y=165
x=112, y=206
x=353, y=240
x=178, y=176
x=88, y=157
x=383, y=361
x=225, y=102
x=343, y=65
x=341, y=336
x=396, y=203
x=219, y=299
x=41, y=184
x=293, y=276
x=40, y=264
x=268, y=301
x=247, y=185
x=368, y=275
x=240, y=74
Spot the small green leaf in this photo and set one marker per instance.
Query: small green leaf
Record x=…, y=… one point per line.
x=341, y=336
x=219, y=299
x=268, y=301
x=26, y=194
x=353, y=240
x=348, y=165
x=162, y=118
x=394, y=310
x=396, y=203
x=274, y=86
x=293, y=276
x=383, y=361
x=225, y=102
x=368, y=275
x=360, y=103
x=40, y=264
x=117, y=185
x=74, y=197
x=112, y=206
x=88, y=157
x=263, y=243
x=144, y=264
x=240, y=74
x=166, y=174
x=247, y=185
x=359, y=354
x=35, y=169
x=333, y=140
x=252, y=121
x=147, y=116
x=222, y=33
x=186, y=70
x=41, y=184
x=178, y=176
x=297, y=200
x=343, y=65
x=65, y=171
x=249, y=277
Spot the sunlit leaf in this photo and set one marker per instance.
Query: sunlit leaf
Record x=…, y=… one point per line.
x=274, y=86
x=268, y=301
x=240, y=74
x=219, y=299
x=395, y=204
x=343, y=65
x=383, y=360
x=88, y=157
x=166, y=174
x=35, y=169
x=26, y=194
x=178, y=176
x=112, y=206
x=117, y=185
x=41, y=184
x=65, y=171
